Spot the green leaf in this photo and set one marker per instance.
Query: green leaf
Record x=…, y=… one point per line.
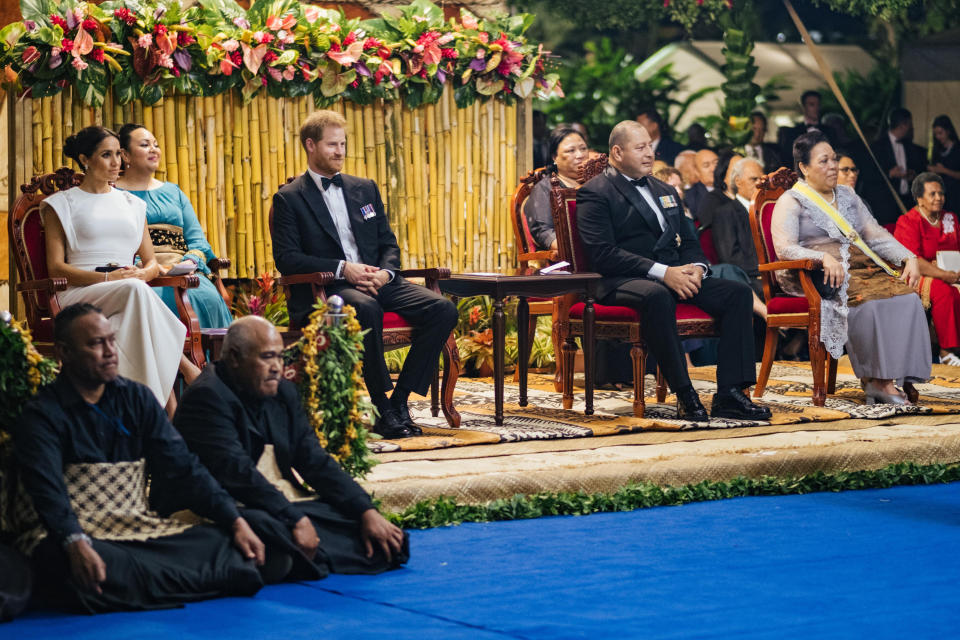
x=333, y=82
x=489, y=86
x=424, y=8
x=92, y=85
x=38, y=10
x=226, y=9
x=11, y=33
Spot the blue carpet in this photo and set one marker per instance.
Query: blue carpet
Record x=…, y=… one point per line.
x=879, y=563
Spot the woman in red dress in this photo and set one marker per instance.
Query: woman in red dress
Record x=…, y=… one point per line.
x=926, y=229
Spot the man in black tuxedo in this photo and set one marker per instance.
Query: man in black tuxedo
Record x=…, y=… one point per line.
x=328, y=221
x=810, y=103
x=765, y=153
x=664, y=147
x=636, y=236
x=901, y=160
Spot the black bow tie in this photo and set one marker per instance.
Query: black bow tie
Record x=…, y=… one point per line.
x=326, y=182
x=640, y=182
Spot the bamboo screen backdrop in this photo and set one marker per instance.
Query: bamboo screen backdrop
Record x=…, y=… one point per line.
x=445, y=174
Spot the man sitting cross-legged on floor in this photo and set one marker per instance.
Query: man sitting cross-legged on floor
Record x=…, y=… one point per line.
x=87, y=448
x=248, y=427
x=634, y=231
x=327, y=221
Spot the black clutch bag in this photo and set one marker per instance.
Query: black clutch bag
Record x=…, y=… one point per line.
x=818, y=277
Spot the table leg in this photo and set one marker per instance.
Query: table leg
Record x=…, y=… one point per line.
x=499, y=331
x=589, y=345
x=523, y=346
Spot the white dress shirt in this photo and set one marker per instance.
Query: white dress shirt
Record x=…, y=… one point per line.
x=658, y=270
x=900, y=154
x=746, y=203
x=337, y=206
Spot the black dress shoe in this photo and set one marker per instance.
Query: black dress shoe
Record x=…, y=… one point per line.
x=689, y=407
x=403, y=412
x=391, y=427
x=732, y=403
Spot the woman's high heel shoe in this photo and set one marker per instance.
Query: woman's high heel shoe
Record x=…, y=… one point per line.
x=876, y=395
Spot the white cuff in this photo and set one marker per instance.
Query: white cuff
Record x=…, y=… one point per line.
x=705, y=268
x=392, y=275
x=339, y=274
x=657, y=271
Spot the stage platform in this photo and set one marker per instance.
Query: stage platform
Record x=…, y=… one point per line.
x=541, y=448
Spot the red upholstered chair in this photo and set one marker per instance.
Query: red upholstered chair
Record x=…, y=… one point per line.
x=784, y=310
x=526, y=253
x=397, y=332
x=611, y=322
x=27, y=244
x=706, y=245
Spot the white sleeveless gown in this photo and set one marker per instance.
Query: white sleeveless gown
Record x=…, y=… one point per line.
x=107, y=227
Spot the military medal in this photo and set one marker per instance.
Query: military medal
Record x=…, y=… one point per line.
x=668, y=202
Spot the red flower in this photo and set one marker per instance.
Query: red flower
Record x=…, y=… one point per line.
x=371, y=43
x=67, y=45
x=270, y=56
x=59, y=20
x=354, y=84
x=97, y=54
x=160, y=30
x=263, y=81
x=90, y=24
x=448, y=54
x=176, y=72
x=423, y=73
x=384, y=52
x=184, y=39
x=62, y=82
x=236, y=58
x=125, y=15
x=378, y=77
x=350, y=39
x=335, y=46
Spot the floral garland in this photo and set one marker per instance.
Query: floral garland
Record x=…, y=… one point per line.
x=331, y=387
x=23, y=371
x=146, y=49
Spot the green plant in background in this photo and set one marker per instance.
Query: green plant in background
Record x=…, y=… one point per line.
x=262, y=297
x=870, y=96
x=740, y=92
x=395, y=358
x=602, y=89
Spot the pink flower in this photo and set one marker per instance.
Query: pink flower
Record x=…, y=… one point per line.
x=290, y=72
x=145, y=40
x=230, y=45
x=79, y=64
x=469, y=21
x=311, y=13
x=275, y=74
x=165, y=61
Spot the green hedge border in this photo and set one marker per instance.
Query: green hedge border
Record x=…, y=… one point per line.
x=444, y=511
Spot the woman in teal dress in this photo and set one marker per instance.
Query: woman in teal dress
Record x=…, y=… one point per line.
x=174, y=228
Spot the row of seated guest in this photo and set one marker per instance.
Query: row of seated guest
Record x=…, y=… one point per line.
x=90, y=445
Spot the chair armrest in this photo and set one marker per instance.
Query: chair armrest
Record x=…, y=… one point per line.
x=319, y=278
x=218, y=264
x=50, y=285
x=537, y=255
x=807, y=265
x=187, y=282
x=435, y=273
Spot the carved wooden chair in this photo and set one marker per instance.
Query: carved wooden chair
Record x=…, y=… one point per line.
x=611, y=322
x=527, y=253
x=39, y=290
x=784, y=310
x=397, y=332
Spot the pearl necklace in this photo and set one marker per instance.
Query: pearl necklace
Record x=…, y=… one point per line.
x=935, y=222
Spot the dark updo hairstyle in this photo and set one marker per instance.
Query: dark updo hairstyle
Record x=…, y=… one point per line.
x=556, y=137
x=920, y=183
x=85, y=142
x=944, y=122
x=803, y=145
x=124, y=134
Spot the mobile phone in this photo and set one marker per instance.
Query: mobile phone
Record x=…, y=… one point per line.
x=108, y=268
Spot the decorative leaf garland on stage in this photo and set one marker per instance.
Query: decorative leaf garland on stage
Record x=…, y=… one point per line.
x=146, y=50
x=23, y=371
x=327, y=365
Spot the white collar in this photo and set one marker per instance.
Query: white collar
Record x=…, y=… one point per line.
x=746, y=203
x=317, y=178
x=893, y=138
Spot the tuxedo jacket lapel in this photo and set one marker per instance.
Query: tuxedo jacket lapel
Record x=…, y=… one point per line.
x=635, y=199
x=353, y=196
x=314, y=198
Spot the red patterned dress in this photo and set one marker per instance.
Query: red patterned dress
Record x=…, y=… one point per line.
x=917, y=234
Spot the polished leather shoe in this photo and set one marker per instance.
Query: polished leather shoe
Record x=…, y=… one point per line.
x=391, y=427
x=732, y=403
x=403, y=412
x=689, y=406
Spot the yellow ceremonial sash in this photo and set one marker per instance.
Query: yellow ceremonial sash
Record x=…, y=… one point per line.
x=844, y=226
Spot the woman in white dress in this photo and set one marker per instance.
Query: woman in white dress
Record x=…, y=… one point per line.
x=95, y=225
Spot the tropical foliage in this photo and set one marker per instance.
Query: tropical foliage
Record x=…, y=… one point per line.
x=23, y=371
x=145, y=49
x=261, y=297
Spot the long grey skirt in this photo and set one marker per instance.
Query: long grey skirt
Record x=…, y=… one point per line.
x=889, y=339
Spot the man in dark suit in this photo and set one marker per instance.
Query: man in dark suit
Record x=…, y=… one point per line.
x=810, y=103
x=901, y=160
x=327, y=221
x=706, y=162
x=247, y=426
x=664, y=147
x=636, y=236
x=766, y=153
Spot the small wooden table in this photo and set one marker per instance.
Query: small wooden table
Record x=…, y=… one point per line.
x=527, y=284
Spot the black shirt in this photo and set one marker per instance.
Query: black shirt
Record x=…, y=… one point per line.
x=59, y=428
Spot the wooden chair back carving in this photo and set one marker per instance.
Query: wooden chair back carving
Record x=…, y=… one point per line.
x=526, y=246
x=771, y=188
x=592, y=168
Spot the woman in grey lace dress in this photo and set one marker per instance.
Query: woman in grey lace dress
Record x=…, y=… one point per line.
x=878, y=317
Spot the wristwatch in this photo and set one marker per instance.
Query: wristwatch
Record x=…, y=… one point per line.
x=75, y=537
